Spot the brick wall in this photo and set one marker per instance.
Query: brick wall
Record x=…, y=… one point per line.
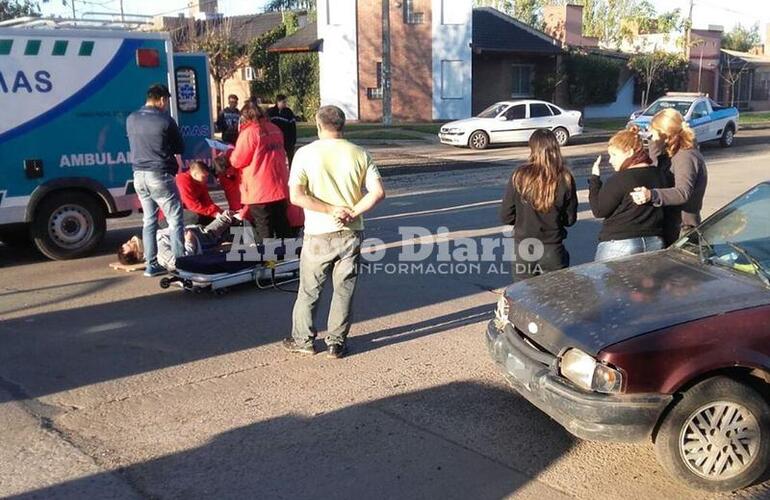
x=411, y=61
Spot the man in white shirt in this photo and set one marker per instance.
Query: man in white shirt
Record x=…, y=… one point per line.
x=335, y=182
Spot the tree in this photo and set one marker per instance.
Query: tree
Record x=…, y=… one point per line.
x=659, y=72
x=10, y=9
x=741, y=39
x=733, y=69
x=277, y=5
x=226, y=54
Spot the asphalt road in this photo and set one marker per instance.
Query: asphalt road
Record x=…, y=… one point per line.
x=113, y=388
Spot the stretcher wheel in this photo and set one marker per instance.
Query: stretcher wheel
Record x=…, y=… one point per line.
x=165, y=283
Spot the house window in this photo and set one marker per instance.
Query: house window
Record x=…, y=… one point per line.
x=410, y=16
x=452, y=12
x=452, y=79
x=376, y=92
x=522, y=80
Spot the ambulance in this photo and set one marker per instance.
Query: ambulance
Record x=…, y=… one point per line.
x=65, y=163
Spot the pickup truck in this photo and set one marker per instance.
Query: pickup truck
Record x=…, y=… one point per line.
x=709, y=120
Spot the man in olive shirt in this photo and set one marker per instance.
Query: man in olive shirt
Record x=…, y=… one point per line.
x=329, y=179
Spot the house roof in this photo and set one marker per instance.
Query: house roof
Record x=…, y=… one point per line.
x=304, y=39
x=494, y=31
x=755, y=59
x=243, y=28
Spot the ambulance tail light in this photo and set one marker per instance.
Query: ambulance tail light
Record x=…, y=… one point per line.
x=147, y=58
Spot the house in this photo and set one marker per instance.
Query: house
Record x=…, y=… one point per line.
x=430, y=55
x=203, y=15
x=745, y=80
x=448, y=60
x=508, y=57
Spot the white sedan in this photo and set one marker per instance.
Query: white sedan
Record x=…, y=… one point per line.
x=512, y=121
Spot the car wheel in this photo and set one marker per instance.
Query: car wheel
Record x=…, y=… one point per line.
x=68, y=225
x=562, y=136
x=716, y=437
x=478, y=140
x=728, y=137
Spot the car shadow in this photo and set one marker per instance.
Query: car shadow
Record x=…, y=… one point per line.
x=455, y=441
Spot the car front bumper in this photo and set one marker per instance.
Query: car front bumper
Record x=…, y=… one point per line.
x=453, y=139
x=590, y=416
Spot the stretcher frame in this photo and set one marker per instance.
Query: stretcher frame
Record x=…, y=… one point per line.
x=272, y=272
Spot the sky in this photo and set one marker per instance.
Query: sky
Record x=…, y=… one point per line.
x=705, y=12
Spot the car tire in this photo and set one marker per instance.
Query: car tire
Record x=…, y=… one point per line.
x=687, y=435
x=562, y=136
x=68, y=225
x=478, y=140
x=728, y=137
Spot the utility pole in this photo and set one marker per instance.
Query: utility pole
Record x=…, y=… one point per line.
x=688, y=39
x=387, y=112
x=74, y=15
x=122, y=16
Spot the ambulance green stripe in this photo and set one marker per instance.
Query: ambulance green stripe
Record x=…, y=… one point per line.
x=86, y=48
x=33, y=48
x=5, y=47
x=59, y=47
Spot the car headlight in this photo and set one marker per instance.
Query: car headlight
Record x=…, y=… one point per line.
x=452, y=130
x=587, y=373
x=502, y=310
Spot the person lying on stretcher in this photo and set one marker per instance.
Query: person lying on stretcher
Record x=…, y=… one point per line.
x=197, y=240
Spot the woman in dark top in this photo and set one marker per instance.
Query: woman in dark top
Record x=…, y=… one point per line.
x=628, y=228
x=540, y=202
x=673, y=141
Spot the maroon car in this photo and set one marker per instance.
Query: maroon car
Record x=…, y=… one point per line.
x=672, y=346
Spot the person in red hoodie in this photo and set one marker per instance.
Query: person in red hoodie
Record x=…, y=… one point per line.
x=194, y=191
x=261, y=159
x=230, y=180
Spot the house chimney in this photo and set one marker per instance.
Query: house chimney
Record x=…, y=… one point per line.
x=198, y=7
x=565, y=23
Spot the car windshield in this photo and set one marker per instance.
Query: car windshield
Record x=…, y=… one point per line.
x=738, y=236
x=657, y=106
x=493, y=110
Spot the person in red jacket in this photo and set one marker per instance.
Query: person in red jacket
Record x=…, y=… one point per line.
x=230, y=180
x=194, y=191
x=261, y=159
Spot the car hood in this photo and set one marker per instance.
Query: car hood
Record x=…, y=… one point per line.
x=467, y=122
x=600, y=304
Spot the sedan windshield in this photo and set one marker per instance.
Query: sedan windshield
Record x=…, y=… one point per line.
x=738, y=236
x=657, y=106
x=493, y=110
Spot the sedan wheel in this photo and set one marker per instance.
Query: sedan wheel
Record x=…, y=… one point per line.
x=715, y=438
x=478, y=140
x=562, y=136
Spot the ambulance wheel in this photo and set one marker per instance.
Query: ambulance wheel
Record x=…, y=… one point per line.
x=68, y=225
x=165, y=283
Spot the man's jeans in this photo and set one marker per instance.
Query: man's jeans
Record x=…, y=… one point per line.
x=620, y=248
x=155, y=190
x=340, y=254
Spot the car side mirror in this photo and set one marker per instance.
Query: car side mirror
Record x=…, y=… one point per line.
x=502, y=118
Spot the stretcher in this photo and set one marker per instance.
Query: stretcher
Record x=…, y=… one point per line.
x=268, y=265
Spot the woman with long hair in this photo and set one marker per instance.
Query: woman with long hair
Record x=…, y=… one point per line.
x=260, y=157
x=540, y=202
x=627, y=228
x=688, y=174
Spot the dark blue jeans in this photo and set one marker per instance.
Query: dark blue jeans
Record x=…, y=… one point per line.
x=158, y=190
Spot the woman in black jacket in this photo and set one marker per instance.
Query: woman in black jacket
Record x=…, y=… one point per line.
x=627, y=228
x=540, y=202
